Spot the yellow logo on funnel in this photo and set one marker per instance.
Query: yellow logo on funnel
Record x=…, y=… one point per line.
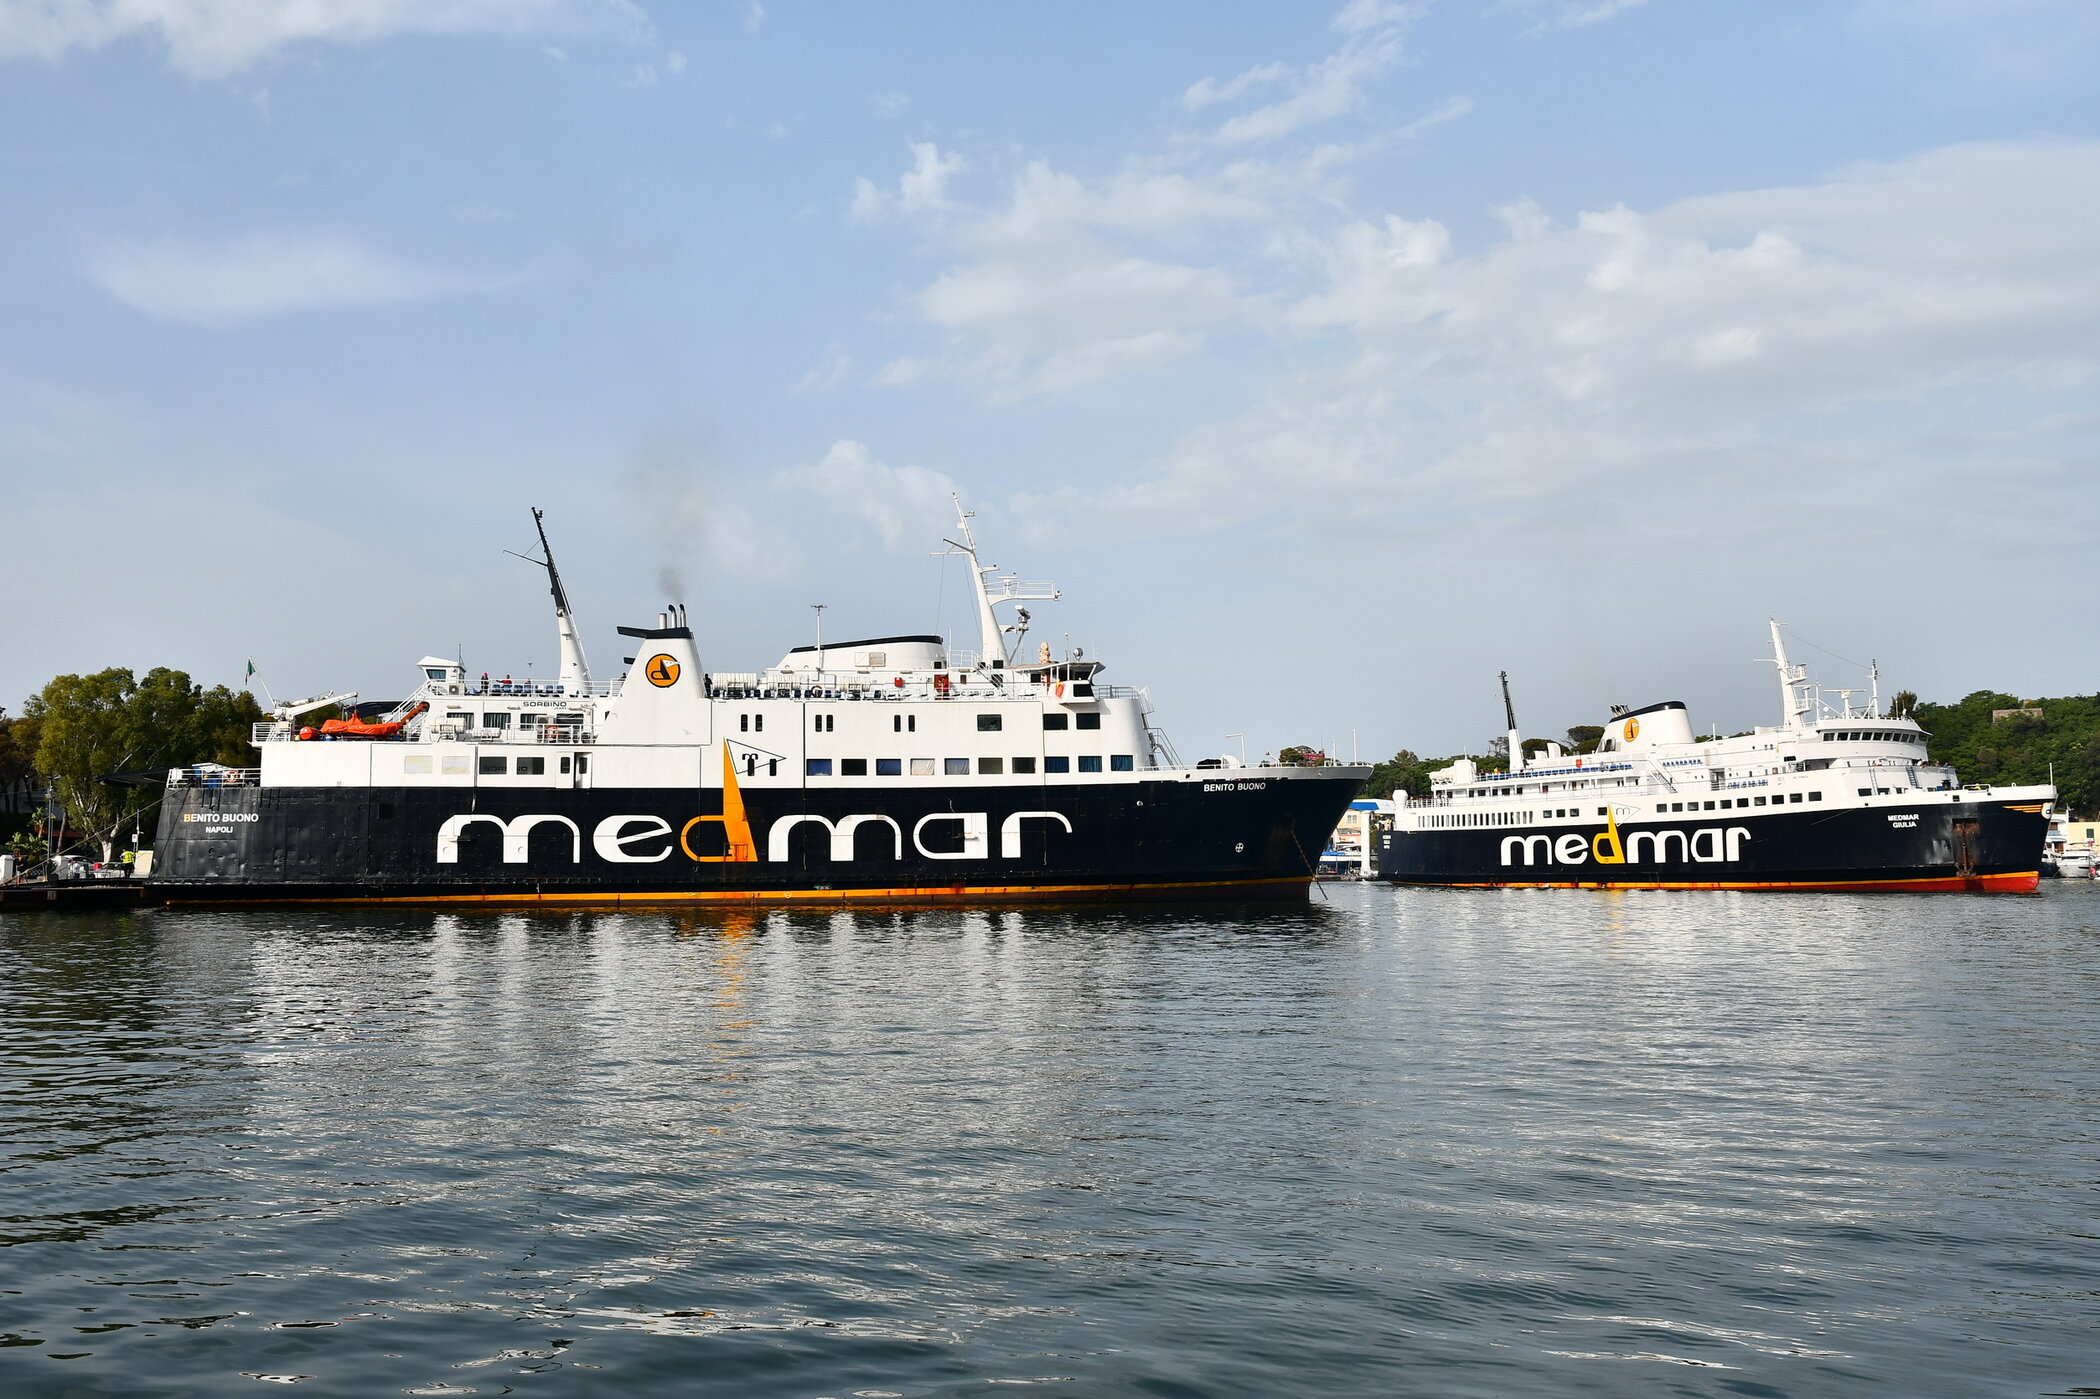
x=1633, y=729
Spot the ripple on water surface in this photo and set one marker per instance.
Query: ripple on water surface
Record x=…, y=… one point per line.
x=1490, y=1143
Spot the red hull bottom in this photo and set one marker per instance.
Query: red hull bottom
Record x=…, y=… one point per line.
x=2019, y=882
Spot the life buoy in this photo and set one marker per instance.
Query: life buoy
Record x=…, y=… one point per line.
x=898, y=681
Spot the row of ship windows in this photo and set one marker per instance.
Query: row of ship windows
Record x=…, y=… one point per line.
x=909, y=723
x=1731, y=803
x=960, y=767
x=1525, y=818
x=455, y=765
x=419, y=765
x=1871, y=736
x=500, y=719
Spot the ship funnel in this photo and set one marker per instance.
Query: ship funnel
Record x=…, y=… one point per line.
x=664, y=697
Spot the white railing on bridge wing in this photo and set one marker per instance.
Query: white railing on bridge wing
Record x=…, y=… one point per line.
x=213, y=776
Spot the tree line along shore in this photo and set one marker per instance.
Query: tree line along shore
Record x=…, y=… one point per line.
x=79, y=731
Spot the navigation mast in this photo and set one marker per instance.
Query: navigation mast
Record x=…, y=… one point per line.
x=575, y=671
x=993, y=650
x=1509, y=713
x=1792, y=678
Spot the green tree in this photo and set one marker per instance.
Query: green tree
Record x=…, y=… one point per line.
x=2020, y=749
x=111, y=721
x=18, y=779
x=1584, y=738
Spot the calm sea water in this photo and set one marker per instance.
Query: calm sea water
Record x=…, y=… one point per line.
x=1393, y=1142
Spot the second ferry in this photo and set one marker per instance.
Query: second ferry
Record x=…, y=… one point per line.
x=1832, y=797
x=888, y=768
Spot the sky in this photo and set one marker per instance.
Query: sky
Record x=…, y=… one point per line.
x=1330, y=358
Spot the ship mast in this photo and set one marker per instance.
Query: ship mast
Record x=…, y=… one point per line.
x=575, y=671
x=993, y=650
x=1516, y=741
x=1792, y=678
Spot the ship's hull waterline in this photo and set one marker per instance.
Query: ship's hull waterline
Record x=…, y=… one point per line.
x=1932, y=845
x=1256, y=836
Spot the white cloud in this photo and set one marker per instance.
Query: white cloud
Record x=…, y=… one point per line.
x=890, y=104
x=921, y=189
x=828, y=372
x=1450, y=110
x=1360, y=15
x=211, y=38
x=1210, y=90
x=906, y=504
x=754, y=17
x=1574, y=15
x=263, y=275
x=1324, y=90
x=1709, y=339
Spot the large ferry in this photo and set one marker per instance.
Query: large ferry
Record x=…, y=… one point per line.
x=892, y=768
x=1835, y=796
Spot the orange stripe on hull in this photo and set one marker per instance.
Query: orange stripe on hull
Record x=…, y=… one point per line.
x=936, y=894
x=2024, y=882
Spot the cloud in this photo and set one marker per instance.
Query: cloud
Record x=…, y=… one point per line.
x=212, y=38
x=907, y=505
x=1575, y=15
x=266, y=274
x=1450, y=110
x=1360, y=15
x=754, y=17
x=1322, y=91
x=828, y=371
x=1702, y=342
x=921, y=189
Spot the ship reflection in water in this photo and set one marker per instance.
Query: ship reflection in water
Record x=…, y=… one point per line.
x=1402, y=1140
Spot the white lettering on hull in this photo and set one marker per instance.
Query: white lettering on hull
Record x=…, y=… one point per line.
x=1709, y=845
x=517, y=834
x=616, y=838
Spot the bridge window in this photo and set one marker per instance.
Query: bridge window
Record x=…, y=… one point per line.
x=1057, y=765
x=1758, y=800
x=1815, y=796
x=990, y=723
x=955, y=767
x=922, y=767
x=853, y=767
x=817, y=767
x=1122, y=762
x=494, y=767
x=990, y=767
x=1024, y=767
x=1090, y=764
x=1794, y=797
x=889, y=767
x=1089, y=721
x=532, y=767
x=1056, y=721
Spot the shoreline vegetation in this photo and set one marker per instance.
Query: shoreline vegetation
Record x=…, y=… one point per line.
x=79, y=730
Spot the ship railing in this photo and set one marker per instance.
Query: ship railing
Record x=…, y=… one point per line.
x=520, y=689
x=214, y=777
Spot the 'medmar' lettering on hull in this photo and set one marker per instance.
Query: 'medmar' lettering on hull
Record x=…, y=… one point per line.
x=1710, y=845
